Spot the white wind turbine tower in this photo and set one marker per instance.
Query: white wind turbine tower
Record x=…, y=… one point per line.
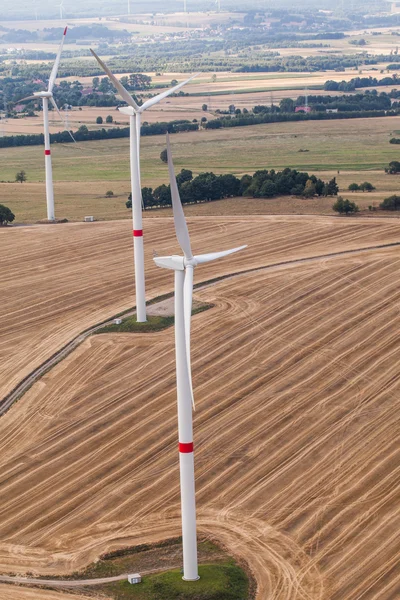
x=134, y=111
x=61, y=7
x=129, y=7
x=46, y=96
x=183, y=267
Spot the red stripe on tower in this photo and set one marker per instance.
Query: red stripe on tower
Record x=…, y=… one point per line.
x=65, y=30
x=186, y=448
x=138, y=233
x=47, y=152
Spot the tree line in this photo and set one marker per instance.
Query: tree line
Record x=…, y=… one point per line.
x=359, y=82
x=262, y=184
x=367, y=101
x=276, y=117
x=84, y=134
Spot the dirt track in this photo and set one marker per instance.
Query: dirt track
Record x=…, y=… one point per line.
x=295, y=447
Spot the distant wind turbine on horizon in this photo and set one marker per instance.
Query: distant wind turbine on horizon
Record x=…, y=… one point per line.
x=184, y=267
x=47, y=96
x=134, y=111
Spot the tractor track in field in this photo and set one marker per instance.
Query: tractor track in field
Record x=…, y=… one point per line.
x=296, y=449
x=7, y=402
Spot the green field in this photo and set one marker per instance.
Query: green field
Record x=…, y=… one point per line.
x=84, y=172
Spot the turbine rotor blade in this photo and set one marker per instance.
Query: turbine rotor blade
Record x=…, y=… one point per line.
x=27, y=98
x=204, y=258
x=54, y=70
x=117, y=84
x=187, y=310
x=62, y=118
x=53, y=102
x=163, y=95
x=181, y=229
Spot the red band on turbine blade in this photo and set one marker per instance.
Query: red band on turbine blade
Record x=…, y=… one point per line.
x=47, y=152
x=65, y=30
x=186, y=448
x=138, y=233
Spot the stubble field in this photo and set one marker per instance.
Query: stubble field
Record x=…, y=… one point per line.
x=295, y=372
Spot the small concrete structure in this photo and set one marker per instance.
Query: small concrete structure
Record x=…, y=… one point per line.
x=117, y=321
x=88, y=219
x=134, y=578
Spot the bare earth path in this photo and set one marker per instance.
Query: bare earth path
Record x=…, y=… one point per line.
x=296, y=448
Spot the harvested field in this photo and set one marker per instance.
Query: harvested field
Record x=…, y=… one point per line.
x=295, y=446
x=62, y=279
x=13, y=592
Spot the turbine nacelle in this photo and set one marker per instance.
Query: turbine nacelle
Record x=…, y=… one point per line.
x=43, y=94
x=127, y=110
x=176, y=263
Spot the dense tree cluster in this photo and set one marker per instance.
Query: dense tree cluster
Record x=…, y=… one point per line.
x=6, y=216
x=366, y=186
x=391, y=203
x=263, y=184
x=343, y=206
x=393, y=168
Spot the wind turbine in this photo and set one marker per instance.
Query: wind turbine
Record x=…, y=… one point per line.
x=46, y=96
x=134, y=111
x=184, y=267
x=129, y=7
x=61, y=6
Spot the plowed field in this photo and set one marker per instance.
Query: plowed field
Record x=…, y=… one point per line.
x=296, y=381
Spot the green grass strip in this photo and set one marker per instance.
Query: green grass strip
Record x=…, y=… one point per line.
x=224, y=581
x=153, y=323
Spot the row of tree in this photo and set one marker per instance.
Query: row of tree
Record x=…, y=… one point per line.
x=268, y=117
x=262, y=184
x=84, y=134
x=359, y=82
x=370, y=100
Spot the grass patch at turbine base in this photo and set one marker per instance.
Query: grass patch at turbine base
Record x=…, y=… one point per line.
x=225, y=581
x=130, y=325
x=153, y=323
